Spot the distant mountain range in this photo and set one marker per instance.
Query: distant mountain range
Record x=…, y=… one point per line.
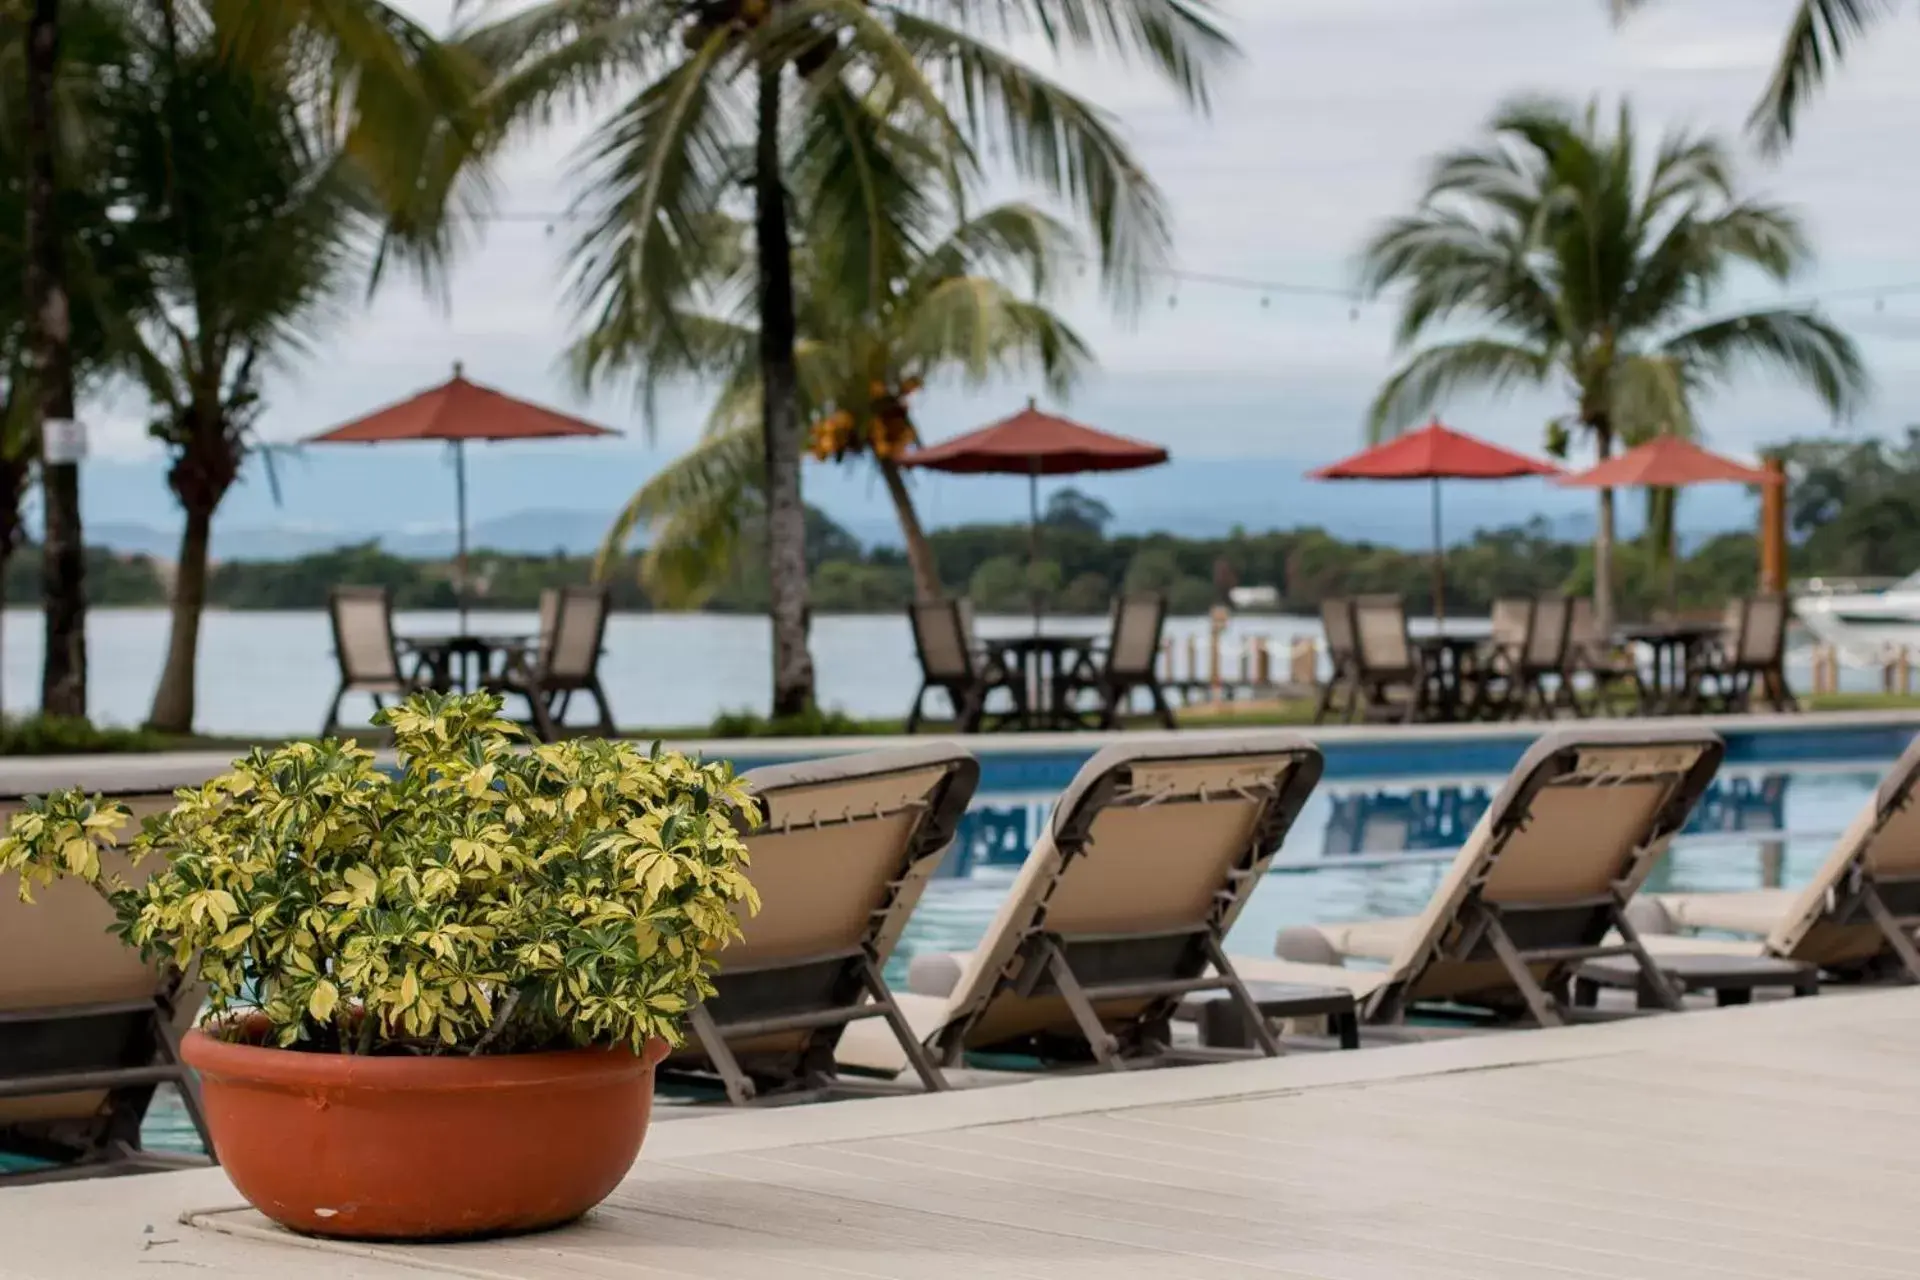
x=1190, y=497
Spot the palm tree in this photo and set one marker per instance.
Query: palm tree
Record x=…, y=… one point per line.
x=1593, y=273
x=365, y=74
x=250, y=222
x=721, y=96
x=951, y=317
x=1819, y=36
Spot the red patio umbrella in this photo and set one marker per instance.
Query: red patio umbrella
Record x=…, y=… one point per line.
x=456, y=412
x=1435, y=453
x=1035, y=444
x=1667, y=462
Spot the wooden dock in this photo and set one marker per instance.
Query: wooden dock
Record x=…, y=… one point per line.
x=1778, y=1140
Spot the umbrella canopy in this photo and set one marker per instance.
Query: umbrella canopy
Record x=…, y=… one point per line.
x=1667, y=462
x=455, y=412
x=1035, y=444
x=1435, y=453
x=1032, y=443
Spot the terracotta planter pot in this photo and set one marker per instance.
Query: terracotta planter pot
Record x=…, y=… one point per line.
x=424, y=1148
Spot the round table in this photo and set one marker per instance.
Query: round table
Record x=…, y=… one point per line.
x=1675, y=645
x=1044, y=663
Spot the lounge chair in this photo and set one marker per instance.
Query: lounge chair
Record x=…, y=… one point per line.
x=844, y=850
x=1541, y=885
x=1127, y=662
x=952, y=663
x=365, y=648
x=1120, y=911
x=88, y=1029
x=1855, y=918
x=565, y=661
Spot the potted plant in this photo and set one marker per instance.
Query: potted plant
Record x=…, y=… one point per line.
x=436, y=995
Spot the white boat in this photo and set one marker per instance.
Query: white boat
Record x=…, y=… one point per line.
x=1861, y=618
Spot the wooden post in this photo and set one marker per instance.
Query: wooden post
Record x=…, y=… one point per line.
x=1773, y=528
x=1263, y=663
x=1193, y=660
x=1905, y=663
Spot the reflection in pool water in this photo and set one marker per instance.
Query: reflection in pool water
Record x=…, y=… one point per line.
x=1362, y=851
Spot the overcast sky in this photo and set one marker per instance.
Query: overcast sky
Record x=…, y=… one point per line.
x=1319, y=132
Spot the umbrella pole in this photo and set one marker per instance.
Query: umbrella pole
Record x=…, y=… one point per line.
x=1033, y=542
x=460, y=506
x=1439, y=564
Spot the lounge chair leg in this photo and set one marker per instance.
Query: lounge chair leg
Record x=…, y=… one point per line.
x=1653, y=980
x=1539, y=1003
x=916, y=1052
x=542, y=717
x=1256, y=1020
x=913, y=714
x=740, y=1090
x=168, y=1042
x=1106, y=1050
x=1897, y=937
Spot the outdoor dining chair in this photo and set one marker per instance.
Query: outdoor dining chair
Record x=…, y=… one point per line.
x=951, y=664
x=1389, y=676
x=1503, y=654
x=1343, y=659
x=1544, y=658
x=564, y=661
x=1758, y=661
x=1592, y=653
x=364, y=645
x=1127, y=662
x=1713, y=678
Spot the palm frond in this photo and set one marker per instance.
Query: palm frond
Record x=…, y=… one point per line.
x=656, y=172
x=1795, y=342
x=1484, y=365
x=1821, y=33
x=693, y=510
x=1056, y=139
x=1182, y=38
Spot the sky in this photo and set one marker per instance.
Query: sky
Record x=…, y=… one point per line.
x=1318, y=132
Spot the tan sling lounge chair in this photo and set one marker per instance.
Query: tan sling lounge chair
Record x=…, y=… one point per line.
x=1855, y=918
x=1121, y=908
x=1541, y=885
x=87, y=1029
x=846, y=847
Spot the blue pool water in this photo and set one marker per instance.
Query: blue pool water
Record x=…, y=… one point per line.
x=1373, y=844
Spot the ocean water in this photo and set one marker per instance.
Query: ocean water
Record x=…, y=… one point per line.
x=1369, y=849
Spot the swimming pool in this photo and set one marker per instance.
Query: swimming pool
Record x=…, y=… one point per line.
x=1378, y=833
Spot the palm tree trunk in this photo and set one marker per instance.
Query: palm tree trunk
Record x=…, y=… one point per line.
x=1603, y=539
x=926, y=571
x=63, y=680
x=173, y=700
x=780, y=409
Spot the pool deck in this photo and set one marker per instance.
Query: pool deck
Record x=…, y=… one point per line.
x=1016, y=761
x=1771, y=1141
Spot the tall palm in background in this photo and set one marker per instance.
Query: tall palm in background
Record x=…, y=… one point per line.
x=251, y=219
x=367, y=76
x=968, y=309
x=716, y=98
x=1819, y=36
x=1591, y=271
x=93, y=263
